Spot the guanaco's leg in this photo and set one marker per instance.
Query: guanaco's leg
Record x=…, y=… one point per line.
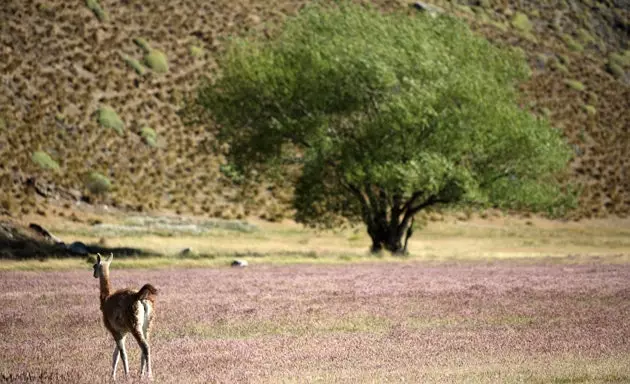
x=145, y=361
x=122, y=352
x=115, y=361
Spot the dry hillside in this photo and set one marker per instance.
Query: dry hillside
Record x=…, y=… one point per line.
x=91, y=90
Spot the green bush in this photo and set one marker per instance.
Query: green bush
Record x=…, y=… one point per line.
x=521, y=22
x=149, y=136
x=622, y=60
x=44, y=160
x=196, y=51
x=584, y=36
x=97, y=183
x=574, y=84
x=156, y=60
x=135, y=64
x=98, y=11
x=590, y=110
x=615, y=70
x=108, y=118
x=572, y=44
x=558, y=66
x=143, y=44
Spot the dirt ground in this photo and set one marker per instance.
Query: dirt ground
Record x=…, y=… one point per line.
x=473, y=322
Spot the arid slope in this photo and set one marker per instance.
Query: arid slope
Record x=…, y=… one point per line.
x=62, y=62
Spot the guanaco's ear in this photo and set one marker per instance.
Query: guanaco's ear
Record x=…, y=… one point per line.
x=111, y=256
x=98, y=258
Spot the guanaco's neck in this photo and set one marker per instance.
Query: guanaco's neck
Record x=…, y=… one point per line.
x=104, y=280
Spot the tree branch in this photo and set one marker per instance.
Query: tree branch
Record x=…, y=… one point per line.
x=410, y=212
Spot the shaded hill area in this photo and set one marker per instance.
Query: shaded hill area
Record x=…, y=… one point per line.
x=91, y=92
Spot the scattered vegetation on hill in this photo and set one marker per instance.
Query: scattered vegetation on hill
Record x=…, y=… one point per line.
x=61, y=64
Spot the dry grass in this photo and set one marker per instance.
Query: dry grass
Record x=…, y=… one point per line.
x=363, y=323
x=63, y=62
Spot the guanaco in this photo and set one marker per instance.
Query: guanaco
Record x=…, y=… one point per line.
x=126, y=311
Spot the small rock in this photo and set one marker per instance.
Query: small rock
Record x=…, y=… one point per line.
x=239, y=263
x=424, y=7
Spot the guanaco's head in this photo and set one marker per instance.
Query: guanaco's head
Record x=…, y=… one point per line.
x=101, y=265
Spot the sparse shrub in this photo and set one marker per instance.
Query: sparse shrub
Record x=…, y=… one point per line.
x=499, y=25
x=98, y=183
x=196, y=51
x=584, y=36
x=484, y=3
x=546, y=112
x=521, y=22
x=44, y=160
x=149, y=136
x=622, y=60
x=571, y=43
x=143, y=44
x=108, y=118
x=575, y=84
x=135, y=64
x=98, y=11
x=465, y=9
x=542, y=59
x=615, y=70
x=564, y=59
x=558, y=66
x=156, y=60
x=590, y=110
x=232, y=173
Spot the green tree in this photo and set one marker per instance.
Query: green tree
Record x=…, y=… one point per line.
x=388, y=114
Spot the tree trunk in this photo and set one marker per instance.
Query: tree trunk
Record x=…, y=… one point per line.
x=391, y=237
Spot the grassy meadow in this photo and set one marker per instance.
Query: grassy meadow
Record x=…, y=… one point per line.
x=493, y=301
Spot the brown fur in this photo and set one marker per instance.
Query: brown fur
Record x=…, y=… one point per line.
x=122, y=313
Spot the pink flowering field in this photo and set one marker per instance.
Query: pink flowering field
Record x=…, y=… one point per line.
x=355, y=323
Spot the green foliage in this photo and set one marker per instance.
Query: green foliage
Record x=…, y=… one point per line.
x=135, y=64
x=143, y=44
x=156, y=60
x=584, y=36
x=196, y=51
x=487, y=4
x=571, y=43
x=615, y=70
x=149, y=136
x=521, y=22
x=617, y=62
x=558, y=66
x=590, y=110
x=98, y=11
x=232, y=173
x=97, y=183
x=43, y=160
x=108, y=118
x=575, y=84
x=385, y=113
x=622, y=60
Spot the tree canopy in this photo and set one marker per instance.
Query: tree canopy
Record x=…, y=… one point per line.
x=387, y=114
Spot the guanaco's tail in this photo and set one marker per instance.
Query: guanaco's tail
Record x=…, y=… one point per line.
x=147, y=292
